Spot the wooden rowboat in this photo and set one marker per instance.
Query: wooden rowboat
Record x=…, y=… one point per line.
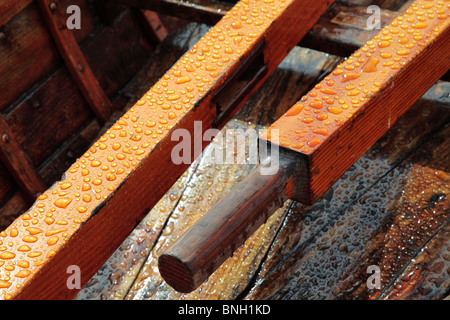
x=388, y=210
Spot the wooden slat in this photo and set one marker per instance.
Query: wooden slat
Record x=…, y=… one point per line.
x=321, y=137
x=203, y=11
x=19, y=165
x=132, y=272
x=298, y=71
x=324, y=250
x=10, y=8
x=152, y=25
x=28, y=53
x=337, y=121
x=74, y=59
x=341, y=30
x=56, y=109
x=116, y=178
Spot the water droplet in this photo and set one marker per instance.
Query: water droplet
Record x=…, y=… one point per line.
x=62, y=202
x=371, y=65
x=294, y=110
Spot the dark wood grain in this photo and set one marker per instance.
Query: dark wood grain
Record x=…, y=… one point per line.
x=125, y=191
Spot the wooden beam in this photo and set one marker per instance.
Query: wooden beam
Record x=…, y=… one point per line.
x=75, y=61
x=9, y=9
x=152, y=25
x=322, y=135
x=337, y=121
x=84, y=217
x=341, y=30
x=19, y=165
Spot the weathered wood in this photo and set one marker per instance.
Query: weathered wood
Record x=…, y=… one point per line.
x=320, y=246
x=426, y=275
x=135, y=261
x=337, y=121
x=19, y=165
x=321, y=160
x=153, y=25
x=198, y=252
x=341, y=30
x=106, y=184
x=203, y=11
x=10, y=8
x=416, y=215
x=74, y=58
x=57, y=106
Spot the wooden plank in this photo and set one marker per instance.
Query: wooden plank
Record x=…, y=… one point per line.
x=74, y=59
x=426, y=275
x=341, y=30
x=417, y=214
x=153, y=25
x=27, y=51
x=112, y=180
x=10, y=8
x=320, y=137
x=56, y=105
x=203, y=11
x=132, y=271
x=19, y=165
x=59, y=97
x=321, y=250
x=337, y=121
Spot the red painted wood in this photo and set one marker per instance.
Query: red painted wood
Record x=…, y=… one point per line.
x=74, y=59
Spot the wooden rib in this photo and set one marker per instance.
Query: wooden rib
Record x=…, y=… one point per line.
x=75, y=60
x=337, y=121
x=85, y=216
x=152, y=25
x=341, y=30
x=19, y=165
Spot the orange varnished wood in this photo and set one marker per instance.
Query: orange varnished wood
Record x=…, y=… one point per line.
x=75, y=60
x=84, y=217
x=343, y=115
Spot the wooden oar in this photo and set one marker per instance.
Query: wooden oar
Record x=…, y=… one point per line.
x=321, y=136
x=82, y=219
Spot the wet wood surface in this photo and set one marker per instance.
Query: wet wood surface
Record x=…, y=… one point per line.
x=390, y=209
x=105, y=192
x=301, y=250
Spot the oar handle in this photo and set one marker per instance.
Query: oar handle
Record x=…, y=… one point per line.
x=198, y=252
